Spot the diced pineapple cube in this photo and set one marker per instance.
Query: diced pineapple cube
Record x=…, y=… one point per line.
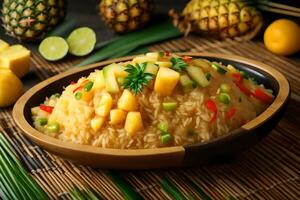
x=142, y=59
x=97, y=123
x=117, y=116
x=134, y=123
x=3, y=45
x=154, y=55
x=17, y=59
x=164, y=64
x=166, y=80
x=104, y=105
x=128, y=101
x=232, y=69
x=120, y=71
x=99, y=82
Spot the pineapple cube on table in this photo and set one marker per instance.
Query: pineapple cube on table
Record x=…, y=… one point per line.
x=166, y=80
x=17, y=59
x=3, y=45
x=133, y=123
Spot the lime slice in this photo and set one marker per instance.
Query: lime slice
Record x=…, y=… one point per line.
x=81, y=41
x=53, y=48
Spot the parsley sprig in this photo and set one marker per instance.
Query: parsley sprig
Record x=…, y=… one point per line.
x=137, y=77
x=178, y=64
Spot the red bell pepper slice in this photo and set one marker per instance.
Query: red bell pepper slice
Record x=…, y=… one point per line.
x=238, y=77
x=167, y=53
x=187, y=58
x=211, y=105
x=230, y=113
x=243, y=88
x=263, y=96
x=81, y=86
x=47, y=109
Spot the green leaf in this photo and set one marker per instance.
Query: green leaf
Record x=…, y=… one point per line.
x=127, y=190
x=178, y=64
x=171, y=189
x=137, y=78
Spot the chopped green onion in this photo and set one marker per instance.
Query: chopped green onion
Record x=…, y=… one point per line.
x=244, y=74
x=225, y=88
x=208, y=76
x=78, y=95
x=53, y=127
x=87, y=87
x=224, y=98
x=165, y=138
x=56, y=95
x=161, y=54
x=41, y=121
x=169, y=106
x=218, y=68
x=163, y=126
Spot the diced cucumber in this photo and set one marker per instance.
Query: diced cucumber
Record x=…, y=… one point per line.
x=197, y=75
x=151, y=68
x=224, y=98
x=163, y=126
x=204, y=64
x=186, y=83
x=41, y=121
x=208, y=76
x=218, y=68
x=225, y=87
x=169, y=106
x=244, y=74
x=111, y=83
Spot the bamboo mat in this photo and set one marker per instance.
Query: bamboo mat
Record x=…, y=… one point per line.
x=270, y=170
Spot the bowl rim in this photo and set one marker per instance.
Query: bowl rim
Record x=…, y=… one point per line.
x=18, y=110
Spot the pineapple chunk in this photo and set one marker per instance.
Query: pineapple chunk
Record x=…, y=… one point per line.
x=166, y=80
x=17, y=59
x=99, y=82
x=3, y=45
x=97, y=123
x=117, y=116
x=142, y=59
x=104, y=105
x=164, y=64
x=154, y=55
x=128, y=101
x=134, y=123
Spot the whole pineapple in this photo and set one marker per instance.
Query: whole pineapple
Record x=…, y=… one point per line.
x=125, y=15
x=221, y=18
x=30, y=20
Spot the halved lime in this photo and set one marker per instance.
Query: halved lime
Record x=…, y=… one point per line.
x=81, y=41
x=53, y=48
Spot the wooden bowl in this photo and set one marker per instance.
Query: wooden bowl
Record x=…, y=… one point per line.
x=227, y=145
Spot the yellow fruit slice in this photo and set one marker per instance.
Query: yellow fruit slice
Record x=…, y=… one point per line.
x=10, y=88
x=3, y=45
x=282, y=37
x=17, y=59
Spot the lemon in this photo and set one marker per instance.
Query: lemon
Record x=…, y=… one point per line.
x=10, y=88
x=282, y=37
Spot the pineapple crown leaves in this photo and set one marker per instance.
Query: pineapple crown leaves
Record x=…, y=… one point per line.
x=137, y=77
x=178, y=64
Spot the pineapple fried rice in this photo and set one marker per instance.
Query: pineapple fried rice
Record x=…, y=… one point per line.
x=155, y=100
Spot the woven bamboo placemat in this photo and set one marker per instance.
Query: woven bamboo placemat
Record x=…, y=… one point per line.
x=270, y=170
